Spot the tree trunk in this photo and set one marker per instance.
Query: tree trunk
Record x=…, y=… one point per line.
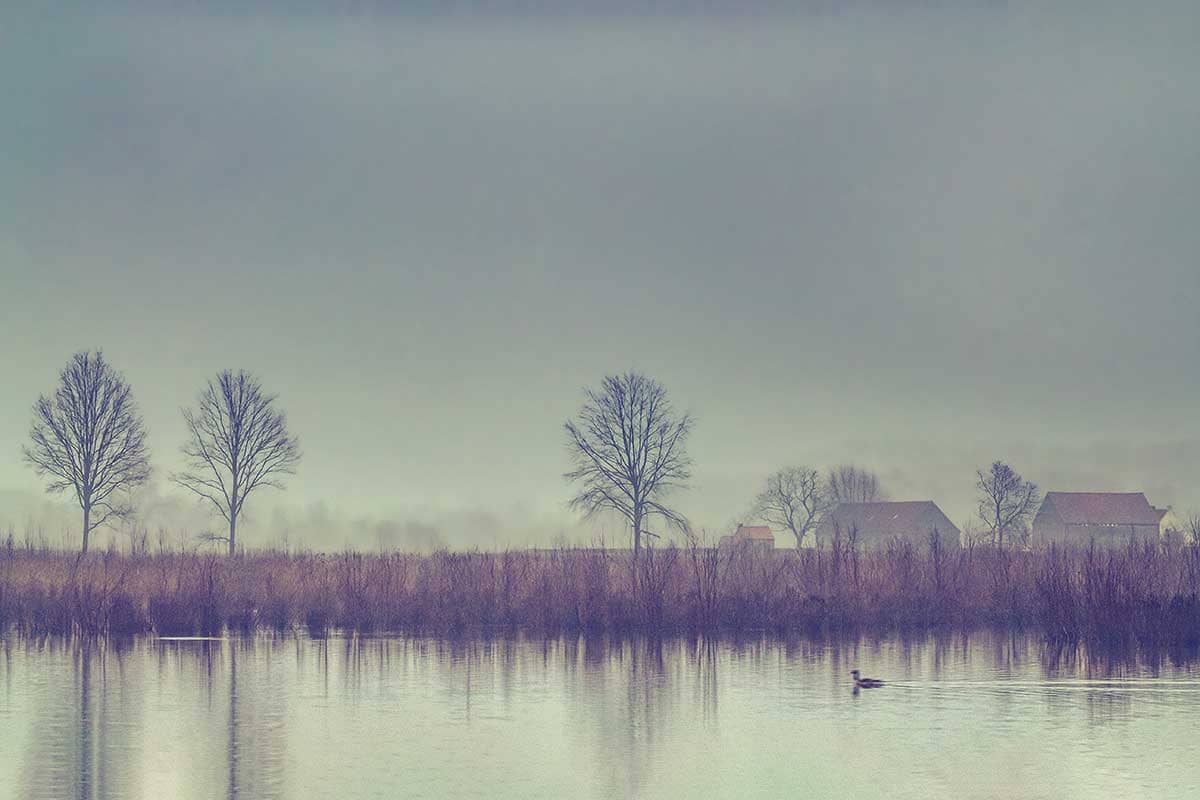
x=234, y=508
x=637, y=534
x=999, y=529
x=87, y=526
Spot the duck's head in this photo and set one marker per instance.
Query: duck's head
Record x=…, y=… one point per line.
x=854, y=673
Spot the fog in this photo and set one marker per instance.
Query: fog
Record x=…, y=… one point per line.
x=914, y=236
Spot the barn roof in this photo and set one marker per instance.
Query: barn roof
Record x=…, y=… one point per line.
x=891, y=518
x=1104, y=508
x=754, y=532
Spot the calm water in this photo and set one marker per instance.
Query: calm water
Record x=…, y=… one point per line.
x=984, y=716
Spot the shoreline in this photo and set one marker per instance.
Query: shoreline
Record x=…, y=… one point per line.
x=1145, y=595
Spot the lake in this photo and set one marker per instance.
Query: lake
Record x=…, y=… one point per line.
x=981, y=716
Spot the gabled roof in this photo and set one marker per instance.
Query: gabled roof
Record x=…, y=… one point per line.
x=758, y=532
x=891, y=519
x=1103, y=508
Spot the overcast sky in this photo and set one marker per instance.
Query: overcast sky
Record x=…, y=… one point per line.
x=915, y=236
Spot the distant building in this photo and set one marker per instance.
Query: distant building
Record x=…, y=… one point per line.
x=1102, y=517
x=1171, y=527
x=875, y=524
x=756, y=536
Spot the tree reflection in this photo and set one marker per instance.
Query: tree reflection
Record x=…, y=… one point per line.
x=80, y=740
x=604, y=717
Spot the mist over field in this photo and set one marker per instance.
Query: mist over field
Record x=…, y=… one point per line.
x=914, y=236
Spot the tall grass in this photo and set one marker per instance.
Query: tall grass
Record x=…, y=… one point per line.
x=1144, y=593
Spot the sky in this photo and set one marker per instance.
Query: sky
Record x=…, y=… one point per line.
x=915, y=236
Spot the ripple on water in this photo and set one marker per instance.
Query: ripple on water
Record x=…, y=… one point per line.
x=266, y=717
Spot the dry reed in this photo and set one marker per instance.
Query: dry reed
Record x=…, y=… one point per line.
x=1143, y=593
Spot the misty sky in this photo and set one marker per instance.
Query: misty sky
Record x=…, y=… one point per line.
x=915, y=236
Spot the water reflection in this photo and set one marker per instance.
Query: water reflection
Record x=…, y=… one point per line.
x=81, y=736
x=587, y=717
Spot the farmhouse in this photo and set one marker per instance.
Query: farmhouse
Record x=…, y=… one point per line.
x=873, y=524
x=1102, y=517
x=756, y=536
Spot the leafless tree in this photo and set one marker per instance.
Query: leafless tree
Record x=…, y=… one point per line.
x=629, y=448
x=90, y=439
x=1006, y=501
x=851, y=484
x=795, y=498
x=238, y=442
x=974, y=534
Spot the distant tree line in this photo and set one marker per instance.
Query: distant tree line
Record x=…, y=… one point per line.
x=629, y=448
x=627, y=444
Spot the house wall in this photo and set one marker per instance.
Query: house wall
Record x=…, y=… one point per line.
x=1112, y=534
x=1050, y=530
x=948, y=532
x=1047, y=528
x=920, y=539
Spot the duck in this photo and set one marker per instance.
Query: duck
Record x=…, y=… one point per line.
x=865, y=683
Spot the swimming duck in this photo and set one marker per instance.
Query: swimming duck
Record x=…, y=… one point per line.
x=865, y=683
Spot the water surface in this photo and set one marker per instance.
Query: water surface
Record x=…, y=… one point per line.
x=979, y=716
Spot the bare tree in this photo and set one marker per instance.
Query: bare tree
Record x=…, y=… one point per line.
x=795, y=498
x=974, y=534
x=850, y=484
x=90, y=439
x=1006, y=501
x=629, y=448
x=239, y=442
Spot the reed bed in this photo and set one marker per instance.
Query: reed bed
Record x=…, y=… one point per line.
x=1143, y=594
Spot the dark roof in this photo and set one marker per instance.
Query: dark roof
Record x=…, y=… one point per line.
x=1103, y=508
x=890, y=519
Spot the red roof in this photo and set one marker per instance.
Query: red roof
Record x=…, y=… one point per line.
x=760, y=532
x=1103, y=508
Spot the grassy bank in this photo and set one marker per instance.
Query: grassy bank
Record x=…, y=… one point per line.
x=1148, y=595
